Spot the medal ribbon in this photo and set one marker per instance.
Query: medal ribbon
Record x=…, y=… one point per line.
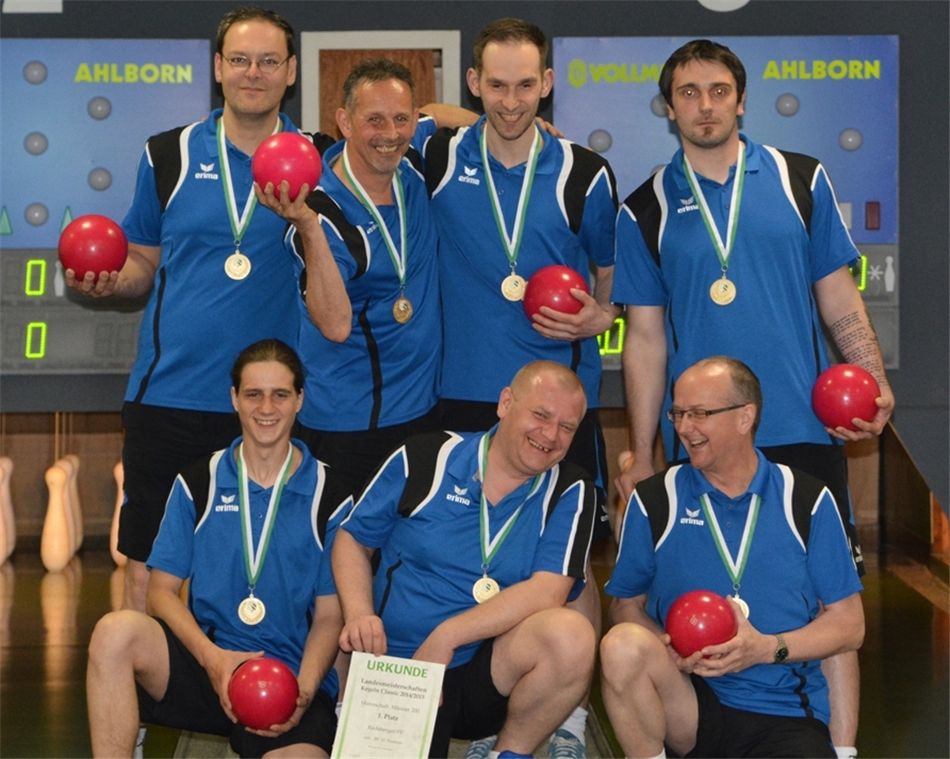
x=736, y=567
x=490, y=547
x=398, y=257
x=240, y=224
x=723, y=250
x=511, y=244
x=254, y=559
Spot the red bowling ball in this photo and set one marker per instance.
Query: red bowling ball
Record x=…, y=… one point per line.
x=551, y=286
x=844, y=392
x=263, y=692
x=92, y=243
x=699, y=618
x=290, y=156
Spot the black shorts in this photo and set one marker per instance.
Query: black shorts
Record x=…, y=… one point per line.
x=829, y=464
x=471, y=705
x=588, y=449
x=191, y=703
x=724, y=731
x=159, y=443
x=355, y=456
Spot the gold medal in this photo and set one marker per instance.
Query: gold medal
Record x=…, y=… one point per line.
x=743, y=606
x=251, y=610
x=722, y=292
x=512, y=287
x=402, y=309
x=485, y=588
x=237, y=266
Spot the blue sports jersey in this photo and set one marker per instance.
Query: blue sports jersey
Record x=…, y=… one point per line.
x=430, y=549
x=785, y=578
x=773, y=324
x=570, y=221
x=384, y=373
x=197, y=318
x=208, y=551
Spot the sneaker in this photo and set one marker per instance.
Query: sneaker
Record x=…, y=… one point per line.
x=565, y=745
x=481, y=748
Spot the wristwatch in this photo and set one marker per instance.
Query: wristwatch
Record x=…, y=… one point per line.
x=781, y=652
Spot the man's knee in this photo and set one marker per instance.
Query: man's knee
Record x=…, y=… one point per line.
x=116, y=637
x=557, y=640
x=626, y=650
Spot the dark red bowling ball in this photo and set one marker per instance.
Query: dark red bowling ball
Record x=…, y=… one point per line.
x=263, y=692
x=290, y=156
x=844, y=392
x=92, y=243
x=551, y=286
x=699, y=618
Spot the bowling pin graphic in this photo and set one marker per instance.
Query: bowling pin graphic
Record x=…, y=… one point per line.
x=71, y=464
x=118, y=475
x=56, y=541
x=59, y=281
x=890, y=276
x=7, y=519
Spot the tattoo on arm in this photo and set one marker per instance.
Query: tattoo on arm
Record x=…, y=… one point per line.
x=855, y=337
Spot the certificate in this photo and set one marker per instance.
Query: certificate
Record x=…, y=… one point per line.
x=389, y=708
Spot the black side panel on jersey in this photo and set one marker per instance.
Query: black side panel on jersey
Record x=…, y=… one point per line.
x=165, y=151
x=655, y=499
x=646, y=210
x=437, y=157
x=805, y=492
x=422, y=453
x=568, y=474
x=324, y=205
x=585, y=166
x=801, y=169
x=320, y=141
x=197, y=477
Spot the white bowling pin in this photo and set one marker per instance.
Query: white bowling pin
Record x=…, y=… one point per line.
x=75, y=505
x=56, y=541
x=7, y=519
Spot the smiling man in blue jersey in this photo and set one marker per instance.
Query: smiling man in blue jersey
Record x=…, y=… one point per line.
x=510, y=198
x=250, y=529
x=768, y=536
x=482, y=539
x=738, y=248
x=371, y=329
x=212, y=266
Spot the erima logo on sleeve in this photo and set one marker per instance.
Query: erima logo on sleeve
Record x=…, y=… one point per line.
x=458, y=496
x=687, y=204
x=692, y=517
x=227, y=504
x=468, y=175
x=207, y=172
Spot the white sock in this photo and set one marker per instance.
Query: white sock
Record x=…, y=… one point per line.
x=338, y=709
x=846, y=752
x=576, y=723
x=661, y=755
x=139, y=749
x=493, y=754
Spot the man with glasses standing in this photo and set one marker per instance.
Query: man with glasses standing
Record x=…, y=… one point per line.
x=767, y=536
x=738, y=248
x=212, y=266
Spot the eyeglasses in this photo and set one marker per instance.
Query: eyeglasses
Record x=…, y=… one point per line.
x=264, y=65
x=676, y=415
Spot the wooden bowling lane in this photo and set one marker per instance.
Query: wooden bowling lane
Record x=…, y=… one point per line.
x=46, y=619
